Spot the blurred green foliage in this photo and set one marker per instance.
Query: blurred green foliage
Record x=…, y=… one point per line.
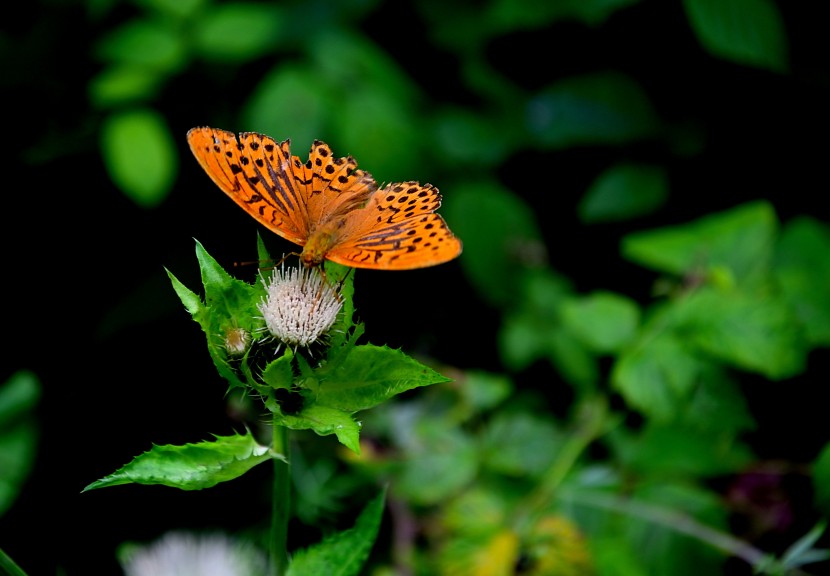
x=623, y=474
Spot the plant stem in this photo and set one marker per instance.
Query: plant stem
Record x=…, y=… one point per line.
x=591, y=421
x=8, y=566
x=281, y=496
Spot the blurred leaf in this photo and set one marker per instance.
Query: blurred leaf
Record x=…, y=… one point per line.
x=343, y=553
x=624, y=191
x=821, y=479
x=475, y=511
x=124, y=84
x=534, y=330
x=755, y=331
x=520, y=444
x=600, y=108
x=373, y=125
x=290, y=102
x=500, y=234
x=140, y=155
x=484, y=390
x=440, y=459
x=149, y=43
x=177, y=8
x=238, y=31
x=492, y=553
x=509, y=15
x=656, y=376
x=604, y=321
x=717, y=404
x=748, y=32
x=740, y=239
x=664, y=451
x=469, y=138
x=192, y=466
x=802, y=268
x=19, y=396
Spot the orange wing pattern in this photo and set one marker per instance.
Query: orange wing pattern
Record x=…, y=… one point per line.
x=327, y=205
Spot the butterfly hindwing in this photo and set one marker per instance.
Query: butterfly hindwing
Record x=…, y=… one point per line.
x=397, y=230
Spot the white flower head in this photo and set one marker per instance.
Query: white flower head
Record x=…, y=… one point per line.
x=299, y=306
x=177, y=553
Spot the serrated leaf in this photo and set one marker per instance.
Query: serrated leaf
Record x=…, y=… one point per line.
x=749, y=32
x=370, y=375
x=324, y=421
x=343, y=553
x=192, y=466
x=140, y=155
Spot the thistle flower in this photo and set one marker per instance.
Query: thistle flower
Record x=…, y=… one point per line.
x=237, y=341
x=300, y=306
x=177, y=553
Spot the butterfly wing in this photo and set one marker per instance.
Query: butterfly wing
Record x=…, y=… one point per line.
x=398, y=229
x=260, y=175
x=335, y=186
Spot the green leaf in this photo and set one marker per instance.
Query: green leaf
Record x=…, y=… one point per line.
x=802, y=269
x=123, y=84
x=748, y=32
x=343, y=553
x=657, y=375
x=600, y=108
x=175, y=8
x=520, y=444
x=150, y=43
x=441, y=459
x=239, y=31
x=370, y=375
x=624, y=191
x=603, y=321
x=324, y=421
x=461, y=137
x=19, y=432
x=290, y=102
x=192, y=466
x=741, y=239
x=510, y=15
x=140, y=155
x=500, y=233
x=821, y=479
x=752, y=330
x=675, y=450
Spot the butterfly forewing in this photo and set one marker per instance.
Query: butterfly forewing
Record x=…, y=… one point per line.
x=335, y=187
x=254, y=172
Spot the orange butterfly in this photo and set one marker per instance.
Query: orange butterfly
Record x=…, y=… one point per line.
x=326, y=205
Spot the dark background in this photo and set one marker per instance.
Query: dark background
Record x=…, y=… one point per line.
x=89, y=307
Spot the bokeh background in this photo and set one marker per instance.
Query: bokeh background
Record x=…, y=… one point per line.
x=561, y=126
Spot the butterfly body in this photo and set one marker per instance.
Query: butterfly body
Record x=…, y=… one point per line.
x=327, y=205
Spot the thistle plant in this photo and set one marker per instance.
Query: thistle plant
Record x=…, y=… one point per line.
x=289, y=340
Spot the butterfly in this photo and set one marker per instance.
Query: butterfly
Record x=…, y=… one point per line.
x=327, y=205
